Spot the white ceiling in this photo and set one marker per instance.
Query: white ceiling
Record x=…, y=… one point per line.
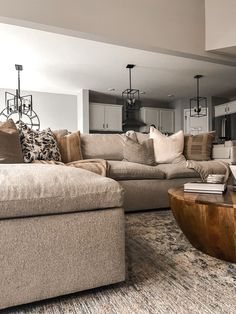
x=63, y=64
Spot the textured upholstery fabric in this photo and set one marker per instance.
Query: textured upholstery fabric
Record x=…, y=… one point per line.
x=35, y=189
x=69, y=146
x=167, y=149
x=104, y=146
x=174, y=171
x=141, y=153
x=47, y=256
x=149, y=194
x=10, y=148
x=198, y=147
x=125, y=170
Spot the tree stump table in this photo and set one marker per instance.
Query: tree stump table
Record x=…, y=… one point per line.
x=207, y=220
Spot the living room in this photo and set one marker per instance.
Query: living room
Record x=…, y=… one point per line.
x=108, y=109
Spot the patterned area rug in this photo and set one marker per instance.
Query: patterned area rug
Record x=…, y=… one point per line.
x=165, y=274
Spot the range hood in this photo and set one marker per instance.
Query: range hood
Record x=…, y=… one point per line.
x=133, y=123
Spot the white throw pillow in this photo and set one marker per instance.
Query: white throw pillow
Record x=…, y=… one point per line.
x=167, y=149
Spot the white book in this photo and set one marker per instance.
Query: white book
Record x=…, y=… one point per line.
x=203, y=191
x=205, y=186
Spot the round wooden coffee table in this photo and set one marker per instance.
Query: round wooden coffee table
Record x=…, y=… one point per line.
x=207, y=220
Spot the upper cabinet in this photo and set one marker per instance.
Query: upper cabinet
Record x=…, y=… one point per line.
x=226, y=108
x=105, y=117
x=167, y=121
x=149, y=116
x=163, y=119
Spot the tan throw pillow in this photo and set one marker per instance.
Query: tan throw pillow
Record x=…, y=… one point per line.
x=10, y=148
x=167, y=149
x=69, y=146
x=198, y=147
x=141, y=153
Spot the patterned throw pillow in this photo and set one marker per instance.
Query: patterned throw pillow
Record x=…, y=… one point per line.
x=198, y=147
x=38, y=145
x=69, y=146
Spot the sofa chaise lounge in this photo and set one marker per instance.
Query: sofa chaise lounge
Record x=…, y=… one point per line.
x=61, y=231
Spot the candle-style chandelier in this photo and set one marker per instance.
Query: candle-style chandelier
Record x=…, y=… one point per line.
x=20, y=108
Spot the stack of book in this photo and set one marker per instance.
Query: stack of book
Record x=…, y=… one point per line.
x=203, y=187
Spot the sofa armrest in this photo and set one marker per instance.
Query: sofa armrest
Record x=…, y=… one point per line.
x=225, y=153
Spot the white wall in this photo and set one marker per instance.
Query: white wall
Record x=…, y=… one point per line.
x=56, y=111
x=83, y=110
x=176, y=27
x=220, y=23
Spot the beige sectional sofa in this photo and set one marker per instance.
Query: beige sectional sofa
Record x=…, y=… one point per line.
x=62, y=228
x=145, y=187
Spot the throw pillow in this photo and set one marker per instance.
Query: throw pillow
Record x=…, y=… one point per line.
x=38, y=145
x=141, y=153
x=198, y=147
x=69, y=146
x=10, y=148
x=167, y=149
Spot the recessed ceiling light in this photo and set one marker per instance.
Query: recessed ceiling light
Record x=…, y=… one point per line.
x=171, y=95
x=142, y=93
x=111, y=89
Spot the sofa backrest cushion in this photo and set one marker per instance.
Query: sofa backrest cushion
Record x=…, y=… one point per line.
x=105, y=146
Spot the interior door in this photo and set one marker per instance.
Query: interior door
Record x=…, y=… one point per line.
x=195, y=125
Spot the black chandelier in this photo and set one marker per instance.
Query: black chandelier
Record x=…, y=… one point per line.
x=198, y=104
x=130, y=96
x=20, y=108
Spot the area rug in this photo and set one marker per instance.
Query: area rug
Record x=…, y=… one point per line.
x=165, y=274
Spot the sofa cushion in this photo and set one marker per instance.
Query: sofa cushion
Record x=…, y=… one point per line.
x=38, y=145
x=138, y=136
x=199, y=147
x=10, y=148
x=141, y=153
x=105, y=146
x=35, y=189
x=175, y=171
x=124, y=170
x=167, y=149
x=142, y=136
x=69, y=146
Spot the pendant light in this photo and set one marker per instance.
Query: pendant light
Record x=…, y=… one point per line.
x=130, y=96
x=198, y=104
